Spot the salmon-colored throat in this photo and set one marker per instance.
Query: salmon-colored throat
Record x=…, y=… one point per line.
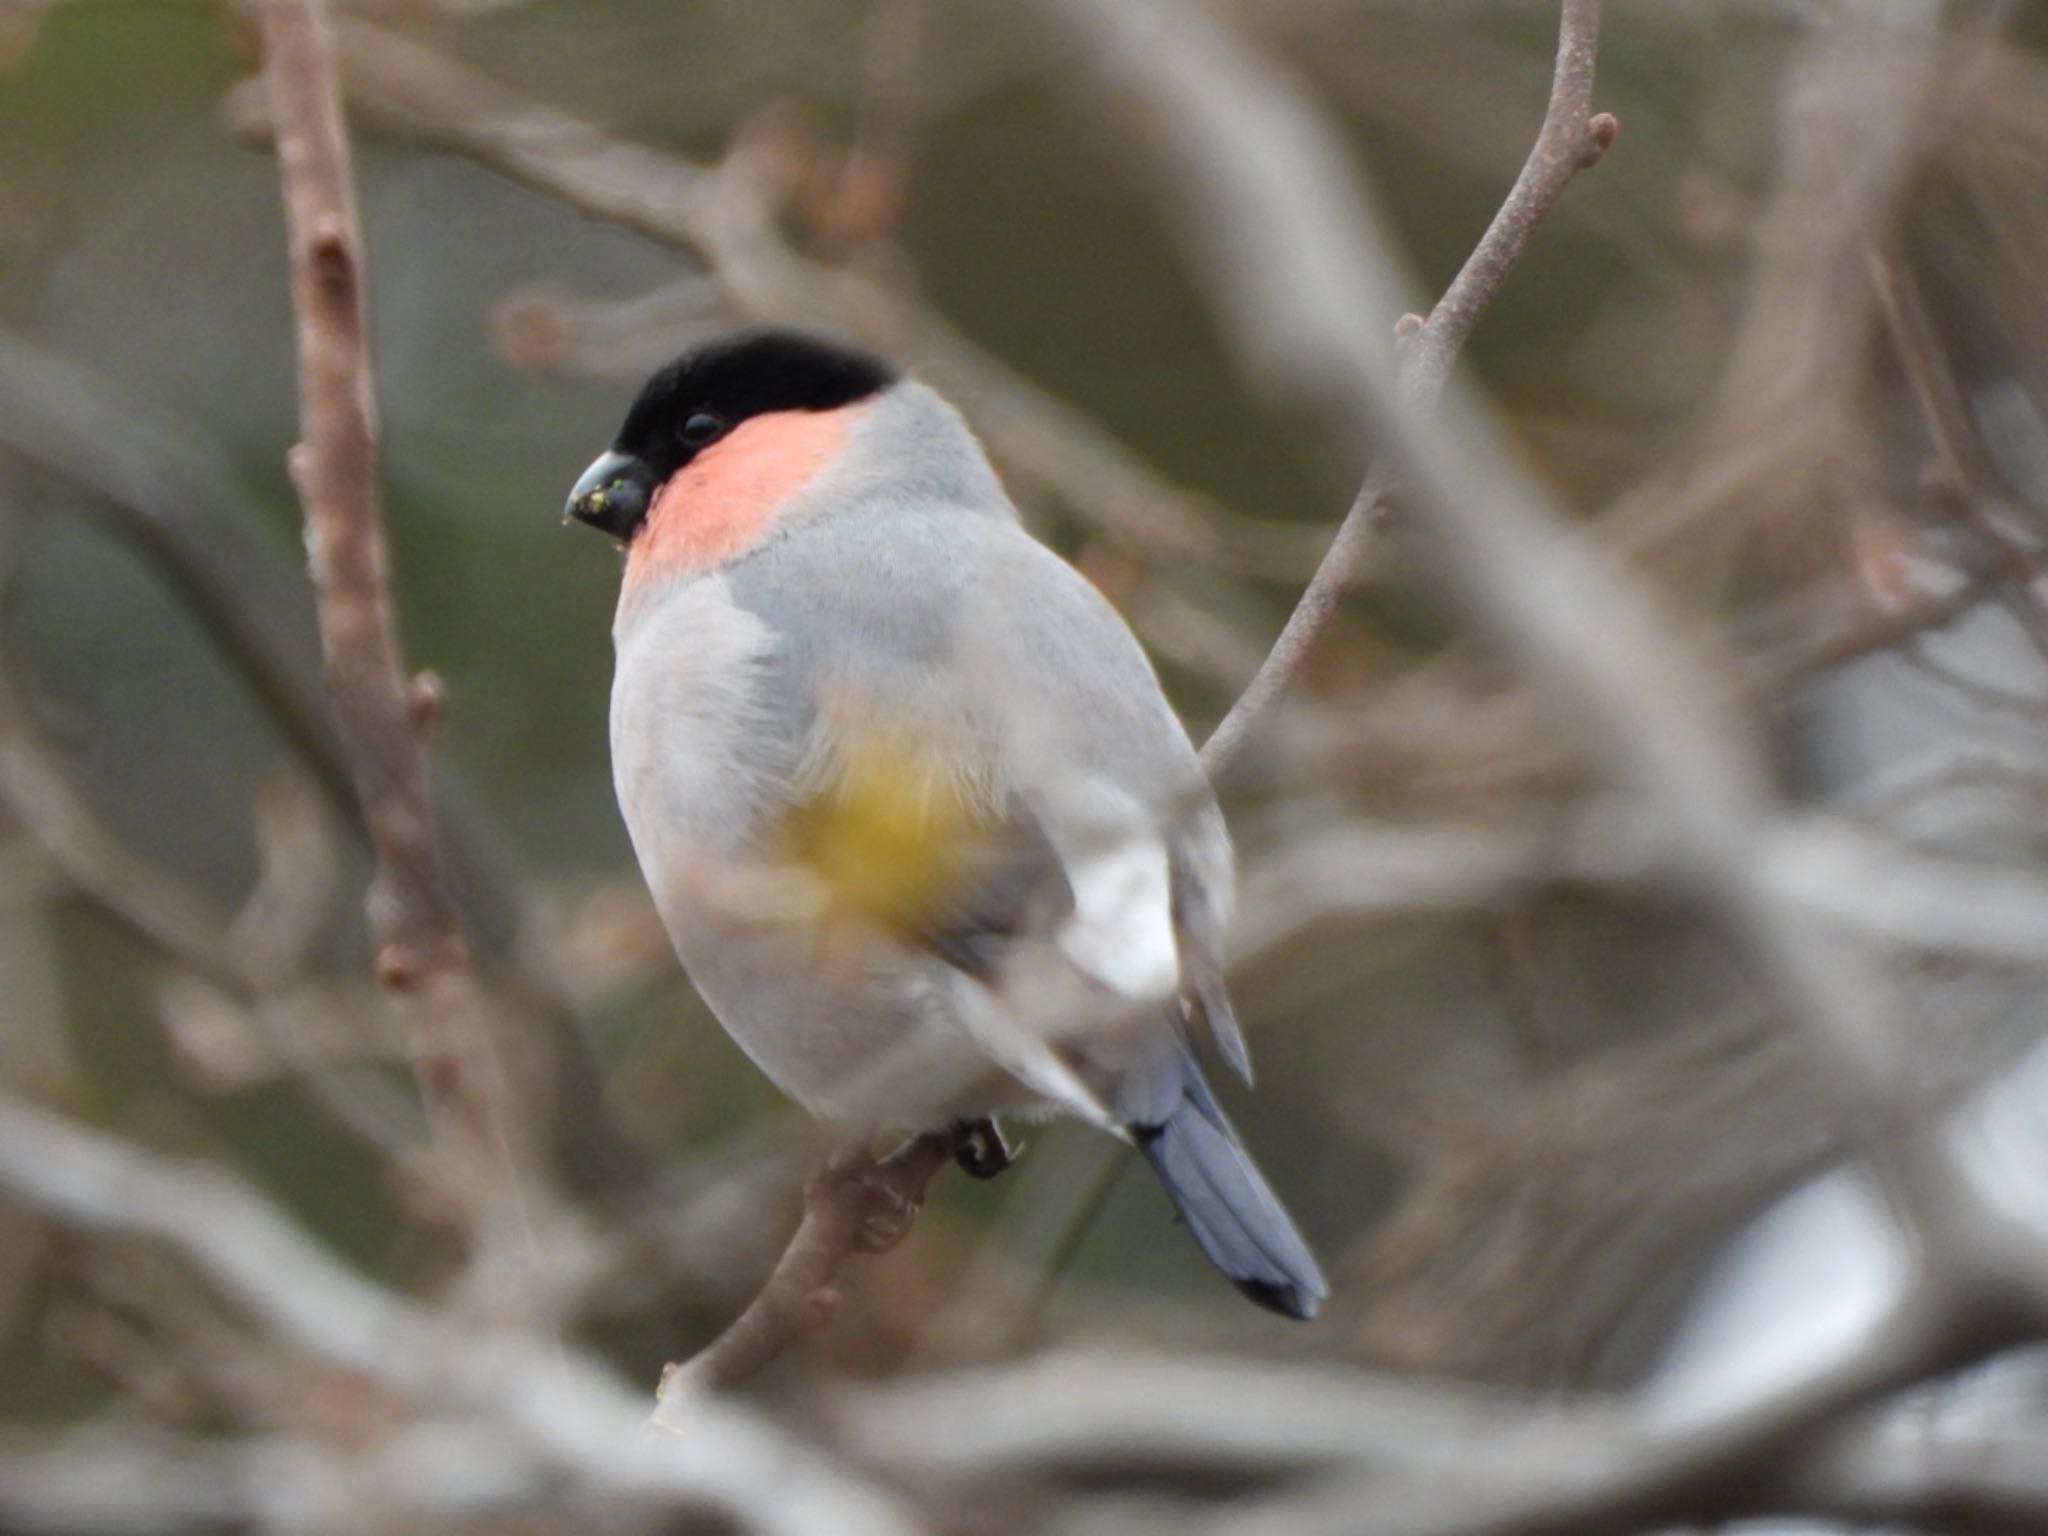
x=725, y=500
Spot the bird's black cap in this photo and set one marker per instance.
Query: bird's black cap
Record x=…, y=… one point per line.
x=693, y=401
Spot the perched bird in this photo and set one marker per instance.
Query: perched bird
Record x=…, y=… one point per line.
x=926, y=834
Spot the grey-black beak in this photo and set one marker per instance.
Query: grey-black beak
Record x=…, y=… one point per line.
x=613, y=494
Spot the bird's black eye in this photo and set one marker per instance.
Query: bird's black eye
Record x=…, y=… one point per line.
x=699, y=428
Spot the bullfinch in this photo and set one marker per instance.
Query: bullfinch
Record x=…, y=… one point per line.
x=926, y=834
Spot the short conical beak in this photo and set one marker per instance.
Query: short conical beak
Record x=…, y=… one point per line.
x=613, y=494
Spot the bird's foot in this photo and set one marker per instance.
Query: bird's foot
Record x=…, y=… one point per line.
x=887, y=1215
x=881, y=1199
x=981, y=1150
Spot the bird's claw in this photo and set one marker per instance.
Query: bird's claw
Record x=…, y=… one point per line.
x=886, y=1217
x=981, y=1150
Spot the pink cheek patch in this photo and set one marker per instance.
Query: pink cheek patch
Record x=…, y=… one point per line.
x=723, y=501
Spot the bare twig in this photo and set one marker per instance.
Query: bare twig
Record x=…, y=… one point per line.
x=566, y=1412
x=1971, y=487
x=1418, y=1460
x=1783, y=437
x=1571, y=139
x=852, y=1205
x=422, y=951
x=1830, y=642
x=1891, y=896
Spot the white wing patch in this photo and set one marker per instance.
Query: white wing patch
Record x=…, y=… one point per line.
x=1121, y=929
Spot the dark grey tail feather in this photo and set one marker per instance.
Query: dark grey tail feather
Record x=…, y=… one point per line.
x=1224, y=1199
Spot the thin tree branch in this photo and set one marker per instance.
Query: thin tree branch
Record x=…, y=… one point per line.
x=423, y=953
x=1972, y=489
x=1404, y=1459
x=569, y=1413
x=1572, y=139
x=852, y=1205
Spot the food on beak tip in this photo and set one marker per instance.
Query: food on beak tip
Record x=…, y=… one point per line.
x=612, y=495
